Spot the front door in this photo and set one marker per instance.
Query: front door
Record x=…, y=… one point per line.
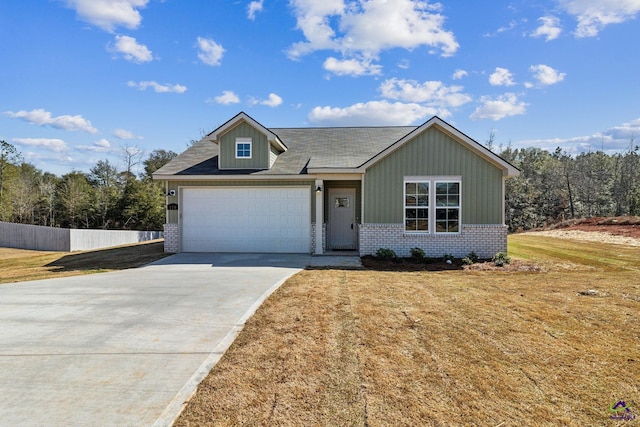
x=342, y=228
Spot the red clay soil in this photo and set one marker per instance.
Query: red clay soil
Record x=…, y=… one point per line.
x=628, y=226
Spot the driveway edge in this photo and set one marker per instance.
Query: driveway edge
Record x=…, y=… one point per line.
x=178, y=403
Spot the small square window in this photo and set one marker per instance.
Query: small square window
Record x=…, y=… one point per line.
x=243, y=148
x=341, y=202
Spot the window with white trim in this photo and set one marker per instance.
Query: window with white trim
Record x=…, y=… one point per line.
x=447, y=207
x=243, y=148
x=416, y=206
x=432, y=205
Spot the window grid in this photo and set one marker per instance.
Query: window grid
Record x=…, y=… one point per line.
x=416, y=206
x=442, y=204
x=447, y=207
x=243, y=148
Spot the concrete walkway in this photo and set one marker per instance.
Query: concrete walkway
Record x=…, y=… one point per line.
x=125, y=348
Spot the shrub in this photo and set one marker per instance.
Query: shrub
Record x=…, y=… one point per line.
x=385, y=253
x=418, y=254
x=471, y=258
x=500, y=259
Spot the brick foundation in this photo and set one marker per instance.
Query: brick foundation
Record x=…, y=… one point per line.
x=485, y=240
x=313, y=238
x=171, y=238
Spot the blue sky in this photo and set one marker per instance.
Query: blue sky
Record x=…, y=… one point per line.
x=84, y=80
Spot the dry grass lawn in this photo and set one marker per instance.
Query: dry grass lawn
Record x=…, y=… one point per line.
x=451, y=348
x=18, y=265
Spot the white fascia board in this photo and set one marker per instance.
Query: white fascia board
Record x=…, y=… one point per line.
x=330, y=171
x=234, y=177
x=339, y=176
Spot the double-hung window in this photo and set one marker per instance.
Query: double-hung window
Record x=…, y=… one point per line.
x=432, y=205
x=243, y=148
x=416, y=206
x=447, y=207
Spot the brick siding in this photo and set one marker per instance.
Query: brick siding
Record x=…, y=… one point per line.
x=484, y=240
x=171, y=238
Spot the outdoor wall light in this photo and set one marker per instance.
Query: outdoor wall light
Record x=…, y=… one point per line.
x=318, y=189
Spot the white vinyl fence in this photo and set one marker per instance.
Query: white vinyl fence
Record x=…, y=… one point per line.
x=39, y=238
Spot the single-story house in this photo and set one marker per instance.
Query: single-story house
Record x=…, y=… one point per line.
x=249, y=188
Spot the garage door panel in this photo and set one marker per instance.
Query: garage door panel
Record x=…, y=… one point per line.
x=270, y=219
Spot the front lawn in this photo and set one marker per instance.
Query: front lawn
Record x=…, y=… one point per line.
x=454, y=348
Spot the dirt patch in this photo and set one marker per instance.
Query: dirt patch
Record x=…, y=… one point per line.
x=625, y=226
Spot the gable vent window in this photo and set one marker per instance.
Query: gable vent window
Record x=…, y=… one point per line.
x=243, y=148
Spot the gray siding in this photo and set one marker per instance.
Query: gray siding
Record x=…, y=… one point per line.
x=273, y=155
x=260, y=152
x=433, y=153
x=172, y=216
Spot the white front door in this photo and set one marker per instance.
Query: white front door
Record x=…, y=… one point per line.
x=242, y=219
x=342, y=227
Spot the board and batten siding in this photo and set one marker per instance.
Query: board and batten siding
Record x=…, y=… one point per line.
x=260, y=152
x=433, y=153
x=273, y=155
x=172, y=216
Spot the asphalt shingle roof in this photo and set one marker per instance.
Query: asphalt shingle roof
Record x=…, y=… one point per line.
x=307, y=148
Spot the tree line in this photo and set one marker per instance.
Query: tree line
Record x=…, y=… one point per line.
x=105, y=198
x=552, y=187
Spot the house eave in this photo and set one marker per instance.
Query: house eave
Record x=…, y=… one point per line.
x=260, y=177
x=326, y=171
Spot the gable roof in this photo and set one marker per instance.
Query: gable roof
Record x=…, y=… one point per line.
x=244, y=117
x=508, y=169
x=318, y=150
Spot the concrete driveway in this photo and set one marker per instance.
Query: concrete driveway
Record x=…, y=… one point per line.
x=128, y=347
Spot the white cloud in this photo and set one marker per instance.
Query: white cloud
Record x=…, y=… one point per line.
x=273, y=101
x=594, y=15
x=132, y=50
x=253, y=8
x=100, y=146
x=431, y=93
x=210, y=52
x=351, y=67
x=364, y=28
x=458, y=74
x=501, y=77
x=228, y=97
x=546, y=75
x=157, y=87
x=503, y=29
x=550, y=28
x=503, y=106
x=373, y=113
x=109, y=14
x=44, y=118
x=51, y=144
x=125, y=134
x=613, y=140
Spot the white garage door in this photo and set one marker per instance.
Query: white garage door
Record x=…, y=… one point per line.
x=228, y=219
